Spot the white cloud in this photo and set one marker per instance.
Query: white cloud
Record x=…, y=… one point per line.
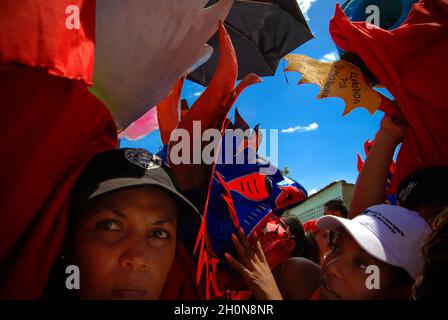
x=305, y=5
x=311, y=192
x=330, y=57
x=197, y=94
x=311, y=127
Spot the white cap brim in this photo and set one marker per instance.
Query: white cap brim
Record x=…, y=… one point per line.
x=366, y=239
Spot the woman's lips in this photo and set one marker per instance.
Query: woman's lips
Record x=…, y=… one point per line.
x=126, y=293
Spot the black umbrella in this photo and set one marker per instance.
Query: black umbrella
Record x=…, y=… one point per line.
x=262, y=32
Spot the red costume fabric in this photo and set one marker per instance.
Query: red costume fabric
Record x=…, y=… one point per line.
x=411, y=62
x=43, y=34
x=51, y=127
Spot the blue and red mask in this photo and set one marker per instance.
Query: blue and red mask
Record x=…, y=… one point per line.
x=241, y=195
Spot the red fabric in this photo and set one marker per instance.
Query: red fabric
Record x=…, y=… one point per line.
x=211, y=110
x=412, y=63
x=51, y=127
x=275, y=239
x=34, y=33
x=181, y=284
x=310, y=226
x=316, y=295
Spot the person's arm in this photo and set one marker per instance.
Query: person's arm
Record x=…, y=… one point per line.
x=370, y=187
x=254, y=268
x=297, y=278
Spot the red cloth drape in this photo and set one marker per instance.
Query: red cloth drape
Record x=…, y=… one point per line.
x=50, y=127
x=35, y=33
x=412, y=63
x=181, y=281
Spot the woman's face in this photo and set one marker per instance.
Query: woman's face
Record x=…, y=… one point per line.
x=344, y=273
x=124, y=244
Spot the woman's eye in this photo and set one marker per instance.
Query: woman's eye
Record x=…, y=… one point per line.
x=333, y=246
x=108, y=225
x=160, y=234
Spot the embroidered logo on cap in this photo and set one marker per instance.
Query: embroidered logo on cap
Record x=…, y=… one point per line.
x=143, y=158
x=406, y=191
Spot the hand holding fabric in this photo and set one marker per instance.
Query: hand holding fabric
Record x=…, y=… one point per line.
x=393, y=129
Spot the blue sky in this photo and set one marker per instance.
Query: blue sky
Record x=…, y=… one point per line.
x=325, y=149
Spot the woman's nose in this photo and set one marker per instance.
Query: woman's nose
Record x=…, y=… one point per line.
x=135, y=254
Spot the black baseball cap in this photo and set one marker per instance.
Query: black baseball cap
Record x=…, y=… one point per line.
x=424, y=187
x=130, y=167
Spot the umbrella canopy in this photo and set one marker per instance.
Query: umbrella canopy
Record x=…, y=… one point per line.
x=262, y=32
x=142, y=48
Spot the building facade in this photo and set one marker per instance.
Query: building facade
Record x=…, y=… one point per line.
x=313, y=207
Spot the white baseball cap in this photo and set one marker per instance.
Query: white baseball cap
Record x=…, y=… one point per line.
x=392, y=234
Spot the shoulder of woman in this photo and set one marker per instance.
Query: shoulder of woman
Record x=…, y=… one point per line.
x=298, y=278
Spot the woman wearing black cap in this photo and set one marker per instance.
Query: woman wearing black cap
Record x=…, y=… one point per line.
x=124, y=223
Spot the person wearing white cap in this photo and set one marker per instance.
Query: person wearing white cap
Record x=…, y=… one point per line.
x=377, y=255
x=390, y=238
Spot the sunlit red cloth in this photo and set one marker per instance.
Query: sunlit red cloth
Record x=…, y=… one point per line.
x=411, y=62
x=310, y=226
x=181, y=282
x=51, y=126
x=316, y=295
x=34, y=33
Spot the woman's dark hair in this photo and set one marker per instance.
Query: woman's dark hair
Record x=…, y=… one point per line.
x=402, y=278
x=306, y=244
x=433, y=283
x=337, y=205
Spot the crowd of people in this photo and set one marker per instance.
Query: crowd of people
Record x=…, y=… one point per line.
x=125, y=220
x=127, y=217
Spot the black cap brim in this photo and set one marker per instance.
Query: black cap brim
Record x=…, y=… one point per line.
x=188, y=224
